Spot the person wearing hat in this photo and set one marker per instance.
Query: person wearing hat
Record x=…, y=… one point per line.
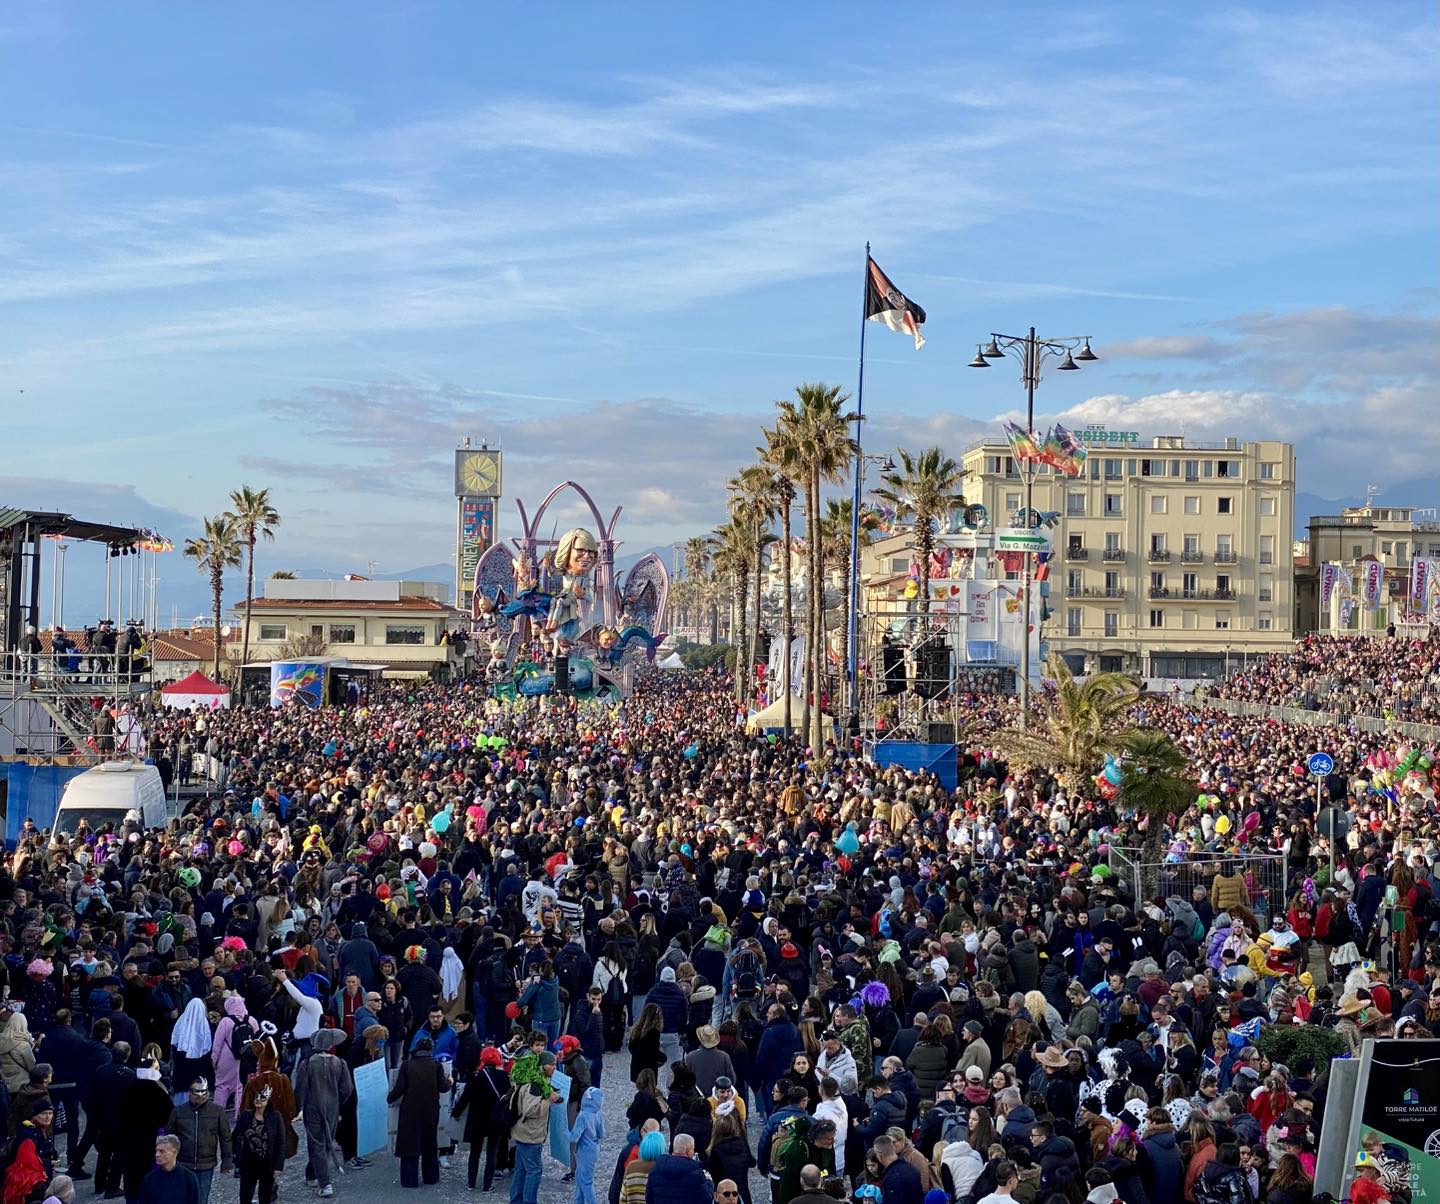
x=1367, y=1187
x=32, y=1152
x=708, y=1062
x=322, y=1085
x=204, y=1132
x=259, y=1140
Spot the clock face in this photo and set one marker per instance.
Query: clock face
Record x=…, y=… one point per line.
x=478, y=472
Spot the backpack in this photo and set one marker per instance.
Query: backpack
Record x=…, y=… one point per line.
x=241, y=1034
x=512, y=1108
x=744, y=962
x=614, y=992
x=953, y=1127
x=782, y=1140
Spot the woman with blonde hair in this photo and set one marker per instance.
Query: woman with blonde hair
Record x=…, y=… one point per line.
x=1043, y=1015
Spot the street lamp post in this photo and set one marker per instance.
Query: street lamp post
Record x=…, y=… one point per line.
x=1031, y=351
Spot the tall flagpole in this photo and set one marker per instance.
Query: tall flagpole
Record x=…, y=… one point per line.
x=854, y=582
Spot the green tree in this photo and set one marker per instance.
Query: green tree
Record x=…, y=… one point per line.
x=1155, y=783
x=752, y=498
x=1079, y=724
x=775, y=455
x=698, y=550
x=732, y=565
x=836, y=526
x=816, y=430
x=923, y=488
x=254, y=518
x=214, y=551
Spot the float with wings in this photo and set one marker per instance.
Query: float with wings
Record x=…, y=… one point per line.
x=546, y=598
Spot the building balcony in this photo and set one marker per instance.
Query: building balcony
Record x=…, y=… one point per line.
x=1226, y=558
x=1192, y=556
x=1159, y=555
x=1113, y=555
x=1077, y=554
x=1191, y=595
x=1094, y=591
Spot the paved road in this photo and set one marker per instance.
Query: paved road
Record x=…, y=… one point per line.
x=381, y=1180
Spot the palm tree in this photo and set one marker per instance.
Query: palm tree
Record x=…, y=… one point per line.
x=817, y=428
x=924, y=488
x=752, y=498
x=213, y=552
x=254, y=518
x=282, y=575
x=1080, y=724
x=836, y=527
x=697, y=568
x=1155, y=783
x=776, y=455
x=732, y=565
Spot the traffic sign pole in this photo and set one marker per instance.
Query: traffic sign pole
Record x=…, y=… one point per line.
x=1319, y=765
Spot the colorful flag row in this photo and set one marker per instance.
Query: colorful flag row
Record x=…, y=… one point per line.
x=1060, y=448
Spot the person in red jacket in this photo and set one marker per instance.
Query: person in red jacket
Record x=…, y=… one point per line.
x=32, y=1158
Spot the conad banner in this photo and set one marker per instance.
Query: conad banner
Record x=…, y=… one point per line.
x=1327, y=585
x=1402, y=1106
x=1374, y=583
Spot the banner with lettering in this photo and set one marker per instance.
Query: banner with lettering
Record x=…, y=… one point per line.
x=1402, y=1108
x=1374, y=584
x=1419, y=581
x=1327, y=585
x=980, y=611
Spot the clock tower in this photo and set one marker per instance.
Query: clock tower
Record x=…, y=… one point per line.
x=477, y=494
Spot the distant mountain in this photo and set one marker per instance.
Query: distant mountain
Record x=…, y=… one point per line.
x=1419, y=492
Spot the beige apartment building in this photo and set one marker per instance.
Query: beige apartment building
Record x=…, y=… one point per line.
x=1389, y=534
x=1171, y=558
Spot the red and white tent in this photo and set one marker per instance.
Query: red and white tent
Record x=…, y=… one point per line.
x=195, y=690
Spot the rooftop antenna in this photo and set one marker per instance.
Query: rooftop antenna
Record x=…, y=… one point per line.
x=1370, y=492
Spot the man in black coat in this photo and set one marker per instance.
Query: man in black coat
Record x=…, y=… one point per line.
x=107, y=1106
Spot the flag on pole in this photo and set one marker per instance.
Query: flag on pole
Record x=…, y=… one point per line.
x=1022, y=445
x=1070, y=451
x=886, y=303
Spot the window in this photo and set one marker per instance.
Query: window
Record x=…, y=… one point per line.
x=1074, y=582
x=1269, y=472
x=1222, y=620
x=1400, y=547
x=1094, y=470
x=1207, y=468
x=272, y=631
x=1152, y=468
x=1264, y=623
x=1076, y=543
x=1386, y=547
x=1012, y=503
x=1010, y=469
x=1112, y=541
x=1267, y=550
x=1075, y=505
x=1229, y=469
x=1356, y=551
x=1225, y=506
x=1267, y=507
x=1112, y=585
x=1157, y=618
x=1222, y=582
x=1112, y=470
x=1189, y=582
x=1192, y=545
x=992, y=465
x=1072, y=621
x=342, y=633
x=1192, y=470
x=1192, y=505
x=1174, y=468
x=1158, y=503
x=398, y=634
x=1157, y=580
x=317, y=630
x=1190, y=620
x=1265, y=593
x=899, y=564
x=1112, y=623
x=1113, y=508
x=1157, y=543
x=1224, y=547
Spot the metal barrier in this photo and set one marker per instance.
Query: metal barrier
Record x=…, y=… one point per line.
x=1430, y=733
x=1148, y=879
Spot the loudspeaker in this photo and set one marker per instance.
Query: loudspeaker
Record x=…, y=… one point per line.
x=562, y=674
x=941, y=733
x=932, y=672
x=892, y=667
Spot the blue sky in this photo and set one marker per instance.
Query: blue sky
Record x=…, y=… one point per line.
x=307, y=246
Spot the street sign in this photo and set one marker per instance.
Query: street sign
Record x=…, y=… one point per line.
x=1320, y=764
x=1021, y=539
x=1334, y=824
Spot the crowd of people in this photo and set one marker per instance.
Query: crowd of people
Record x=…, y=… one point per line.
x=811, y=977
x=1389, y=677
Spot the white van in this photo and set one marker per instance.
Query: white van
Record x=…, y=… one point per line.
x=109, y=792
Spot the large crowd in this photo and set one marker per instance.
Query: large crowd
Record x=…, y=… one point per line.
x=825, y=980
x=1391, y=677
